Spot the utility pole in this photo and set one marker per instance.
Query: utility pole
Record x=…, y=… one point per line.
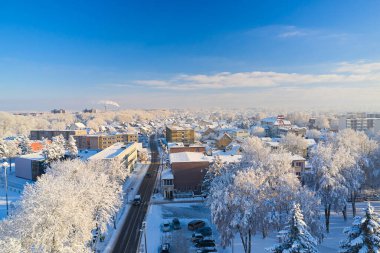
x=5, y=165
x=144, y=229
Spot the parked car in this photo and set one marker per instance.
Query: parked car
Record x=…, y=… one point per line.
x=195, y=224
x=205, y=243
x=166, y=226
x=205, y=231
x=165, y=248
x=176, y=224
x=137, y=200
x=196, y=237
x=206, y=250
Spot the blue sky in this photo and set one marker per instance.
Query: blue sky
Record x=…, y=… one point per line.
x=154, y=54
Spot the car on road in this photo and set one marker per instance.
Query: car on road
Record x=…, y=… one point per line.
x=205, y=243
x=195, y=224
x=137, y=200
x=196, y=237
x=205, y=231
x=176, y=224
x=165, y=247
x=166, y=226
x=148, y=175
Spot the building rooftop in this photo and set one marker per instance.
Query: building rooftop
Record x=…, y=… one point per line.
x=112, y=151
x=182, y=157
x=34, y=157
x=167, y=174
x=179, y=128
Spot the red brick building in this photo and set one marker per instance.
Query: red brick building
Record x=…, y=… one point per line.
x=189, y=169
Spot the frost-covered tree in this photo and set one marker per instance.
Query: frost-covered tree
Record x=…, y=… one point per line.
x=328, y=181
x=255, y=153
x=313, y=134
x=258, y=131
x=322, y=122
x=295, y=144
x=255, y=195
x=360, y=148
x=4, y=152
x=143, y=155
x=75, y=198
x=296, y=237
x=55, y=150
x=72, y=147
x=213, y=171
x=25, y=145
x=364, y=235
x=11, y=245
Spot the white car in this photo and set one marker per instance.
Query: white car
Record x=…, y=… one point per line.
x=166, y=226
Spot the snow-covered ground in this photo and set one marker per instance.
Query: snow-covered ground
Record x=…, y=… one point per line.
x=180, y=240
x=15, y=188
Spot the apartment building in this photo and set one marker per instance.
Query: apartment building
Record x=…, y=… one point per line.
x=49, y=134
x=102, y=141
x=360, y=121
x=127, y=153
x=179, y=134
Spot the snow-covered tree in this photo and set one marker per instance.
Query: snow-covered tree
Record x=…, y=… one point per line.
x=72, y=147
x=313, y=134
x=258, y=131
x=143, y=155
x=327, y=165
x=364, y=235
x=213, y=171
x=4, y=152
x=256, y=194
x=11, y=245
x=75, y=198
x=360, y=148
x=25, y=145
x=294, y=144
x=55, y=150
x=322, y=122
x=296, y=237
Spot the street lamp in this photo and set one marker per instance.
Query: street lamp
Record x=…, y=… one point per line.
x=5, y=165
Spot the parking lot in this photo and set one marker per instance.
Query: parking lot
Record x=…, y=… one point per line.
x=179, y=240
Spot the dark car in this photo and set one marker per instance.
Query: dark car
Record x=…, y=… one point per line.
x=176, y=224
x=206, y=250
x=165, y=248
x=205, y=231
x=195, y=224
x=137, y=200
x=205, y=243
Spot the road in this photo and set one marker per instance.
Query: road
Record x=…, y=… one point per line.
x=130, y=232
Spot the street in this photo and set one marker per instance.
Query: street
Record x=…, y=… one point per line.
x=128, y=239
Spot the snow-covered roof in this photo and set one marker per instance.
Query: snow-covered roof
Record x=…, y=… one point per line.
x=34, y=157
x=310, y=142
x=298, y=158
x=167, y=174
x=175, y=144
x=181, y=157
x=112, y=151
x=225, y=158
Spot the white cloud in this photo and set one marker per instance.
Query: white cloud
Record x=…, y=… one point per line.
x=345, y=73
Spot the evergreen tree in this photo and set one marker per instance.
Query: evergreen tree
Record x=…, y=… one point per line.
x=296, y=237
x=72, y=147
x=3, y=149
x=25, y=146
x=364, y=235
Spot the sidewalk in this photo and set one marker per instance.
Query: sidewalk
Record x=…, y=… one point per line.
x=130, y=189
